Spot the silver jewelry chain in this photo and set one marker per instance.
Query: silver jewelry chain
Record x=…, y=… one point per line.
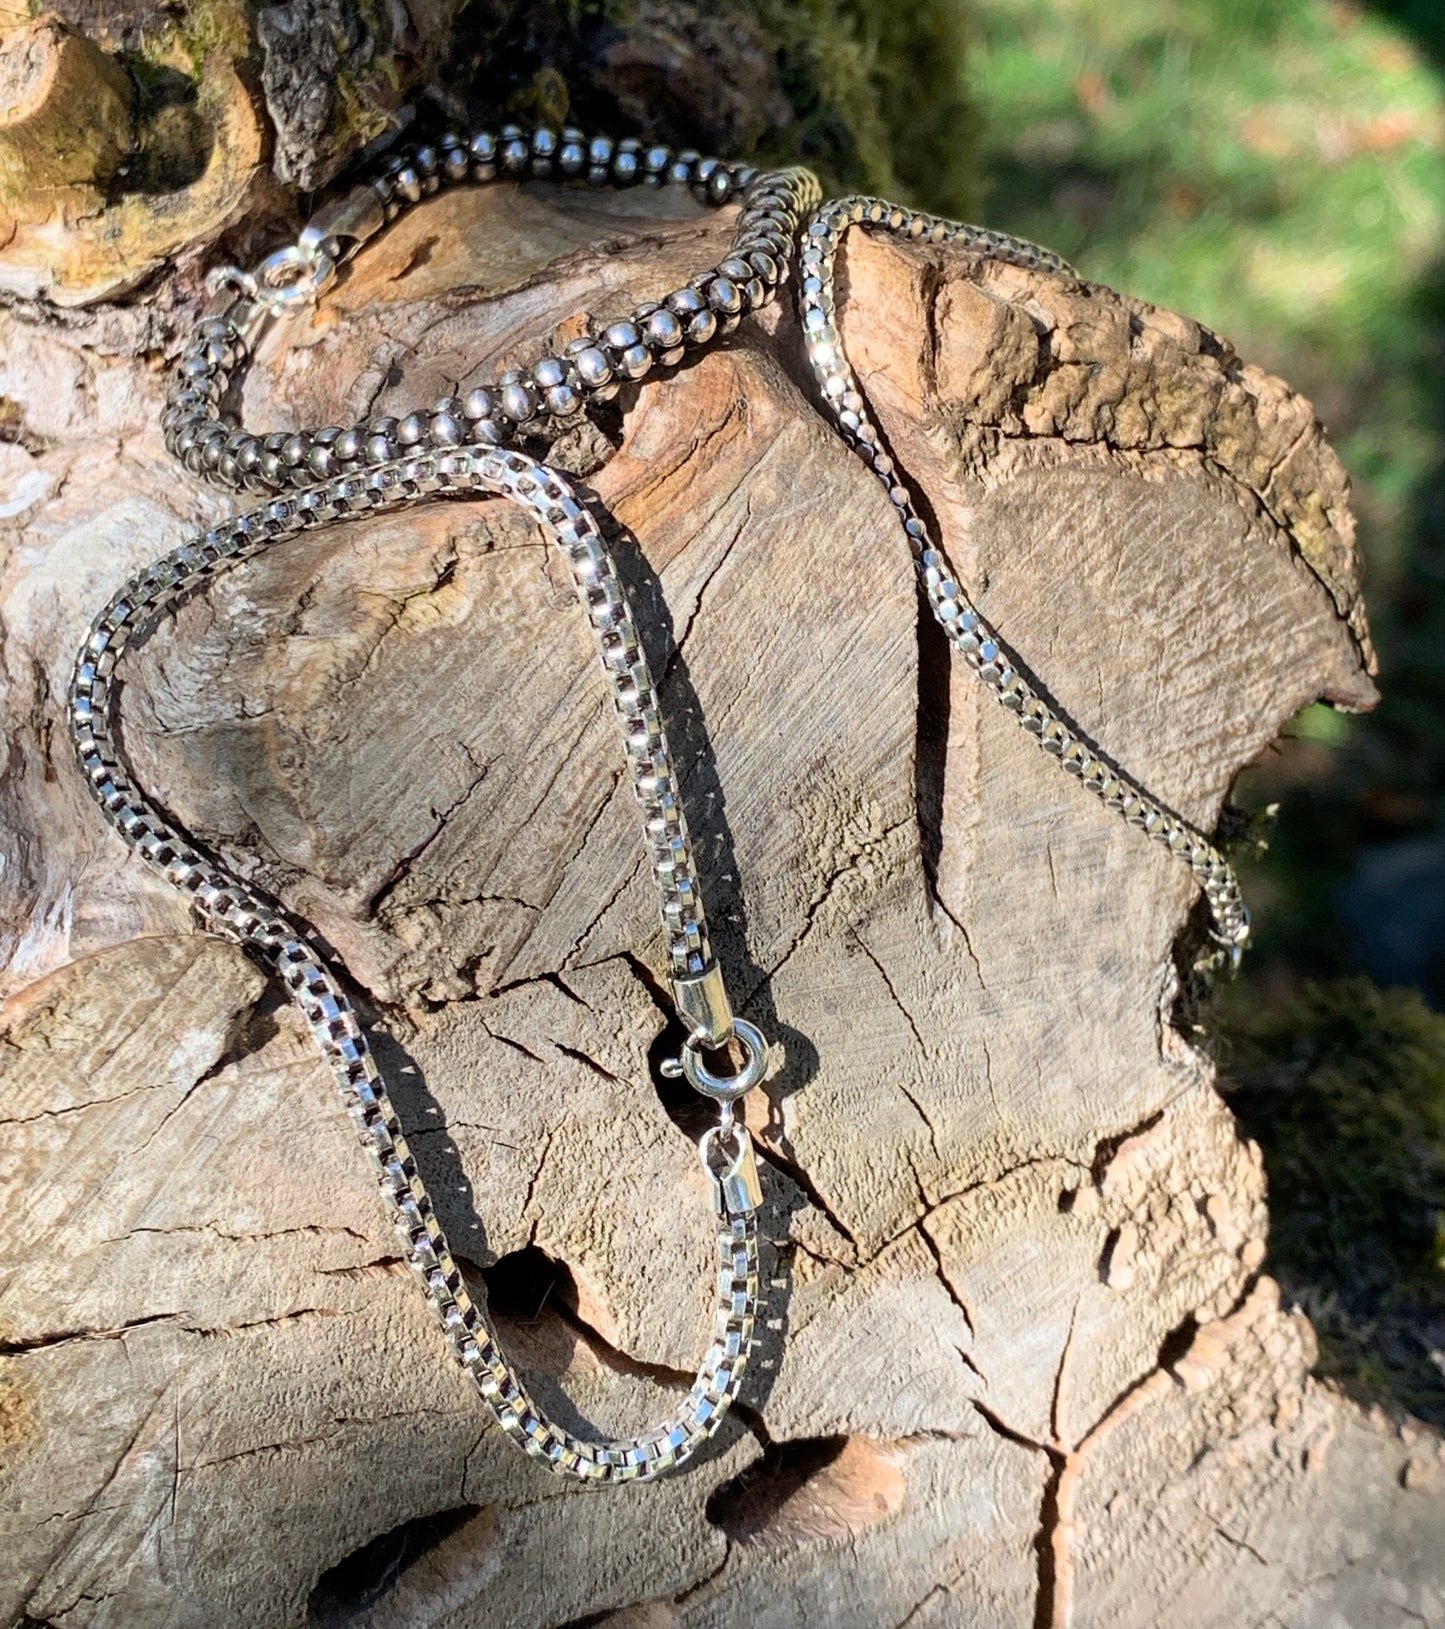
x=979, y=645
x=467, y=446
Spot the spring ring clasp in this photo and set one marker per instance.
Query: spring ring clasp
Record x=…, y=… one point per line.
x=724, y=1089
x=293, y=276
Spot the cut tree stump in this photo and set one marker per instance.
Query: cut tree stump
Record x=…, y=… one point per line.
x=1022, y=1365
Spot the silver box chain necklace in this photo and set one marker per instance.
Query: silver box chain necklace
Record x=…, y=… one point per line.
x=468, y=446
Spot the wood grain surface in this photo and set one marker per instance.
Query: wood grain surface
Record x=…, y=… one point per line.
x=1024, y=1364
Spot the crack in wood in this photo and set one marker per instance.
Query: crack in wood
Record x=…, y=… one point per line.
x=800, y=1179
x=19, y=1347
x=821, y=897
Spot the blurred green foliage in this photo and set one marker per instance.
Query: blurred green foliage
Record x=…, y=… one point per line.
x=1276, y=168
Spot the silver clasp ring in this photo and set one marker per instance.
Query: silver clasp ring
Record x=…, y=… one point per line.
x=293, y=276
x=727, y=1088
x=220, y=278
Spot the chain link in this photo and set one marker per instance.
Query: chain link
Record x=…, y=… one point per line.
x=227, y=905
x=537, y=402
x=467, y=446
x=985, y=654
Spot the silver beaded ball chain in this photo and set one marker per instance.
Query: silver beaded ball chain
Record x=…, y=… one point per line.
x=466, y=446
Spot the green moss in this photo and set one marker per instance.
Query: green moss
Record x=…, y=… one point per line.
x=879, y=95
x=172, y=140
x=869, y=93
x=214, y=25
x=1344, y=1089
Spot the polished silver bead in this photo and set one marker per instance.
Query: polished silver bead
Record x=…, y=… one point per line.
x=550, y=371
x=662, y=331
x=411, y=429
x=408, y=184
x=519, y=402
x=620, y=336
x=685, y=301
x=634, y=362
x=626, y=163
x=513, y=155
x=593, y=367
x=723, y=296
x=295, y=449
x=572, y=158
x=479, y=404
x=444, y=430
x=349, y=446
x=701, y=328
x=563, y=400
x=599, y=152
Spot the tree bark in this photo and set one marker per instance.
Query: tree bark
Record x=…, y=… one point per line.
x=1022, y=1365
